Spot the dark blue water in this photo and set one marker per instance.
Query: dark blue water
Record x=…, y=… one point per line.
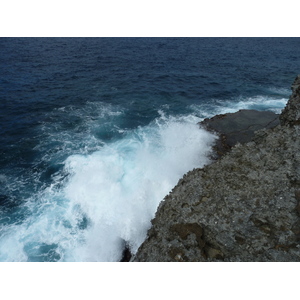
x=94, y=132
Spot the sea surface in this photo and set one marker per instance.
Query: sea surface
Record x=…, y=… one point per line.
x=95, y=132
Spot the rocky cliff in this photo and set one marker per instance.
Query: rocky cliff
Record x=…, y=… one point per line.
x=243, y=207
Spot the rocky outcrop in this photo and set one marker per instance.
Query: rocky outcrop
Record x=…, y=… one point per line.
x=243, y=207
x=239, y=127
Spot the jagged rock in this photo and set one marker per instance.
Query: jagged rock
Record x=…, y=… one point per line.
x=291, y=114
x=242, y=207
x=126, y=255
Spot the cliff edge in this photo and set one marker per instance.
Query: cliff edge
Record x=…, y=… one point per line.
x=243, y=207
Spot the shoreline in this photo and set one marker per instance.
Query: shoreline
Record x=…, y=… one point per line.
x=242, y=207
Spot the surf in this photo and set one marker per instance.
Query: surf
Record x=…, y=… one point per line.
x=100, y=200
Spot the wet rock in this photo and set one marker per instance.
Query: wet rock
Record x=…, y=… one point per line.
x=239, y=127
x=126, y=255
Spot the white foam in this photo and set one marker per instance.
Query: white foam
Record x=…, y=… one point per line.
x=110, y=195
x=11, y=248
x=71, y=128
x=280, y=91
x=262, y=103
x=258, y=103
x=120, y=187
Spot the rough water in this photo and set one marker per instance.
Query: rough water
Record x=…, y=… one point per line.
x=94, y=132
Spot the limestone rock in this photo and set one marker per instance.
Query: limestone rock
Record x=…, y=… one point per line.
x=242, y=207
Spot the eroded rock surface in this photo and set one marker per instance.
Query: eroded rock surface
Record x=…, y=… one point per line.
x=243, y=207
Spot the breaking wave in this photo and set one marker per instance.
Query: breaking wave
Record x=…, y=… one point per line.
x=99, y=200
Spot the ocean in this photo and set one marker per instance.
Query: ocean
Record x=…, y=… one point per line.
x=95, y=132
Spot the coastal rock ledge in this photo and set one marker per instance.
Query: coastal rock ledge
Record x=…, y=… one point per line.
x=245, y=206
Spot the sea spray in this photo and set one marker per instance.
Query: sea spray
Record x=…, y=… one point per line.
x=119, y=188
x=99, y=200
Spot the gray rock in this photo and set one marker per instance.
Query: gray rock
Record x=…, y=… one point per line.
x=243, y=207
x=291, y=114
x=239, y=127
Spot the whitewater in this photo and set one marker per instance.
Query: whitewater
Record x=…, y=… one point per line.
x=99, y=201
